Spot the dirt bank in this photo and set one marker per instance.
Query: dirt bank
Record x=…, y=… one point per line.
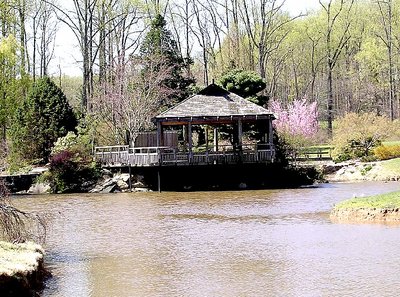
x=367, y=215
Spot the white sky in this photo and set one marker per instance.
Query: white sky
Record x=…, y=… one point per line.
x=67, y=53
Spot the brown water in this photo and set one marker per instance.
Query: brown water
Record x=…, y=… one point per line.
x=250, y=243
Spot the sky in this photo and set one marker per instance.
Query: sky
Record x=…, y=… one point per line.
x=68, y=58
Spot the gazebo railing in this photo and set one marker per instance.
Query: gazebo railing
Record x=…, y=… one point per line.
x=164, y=156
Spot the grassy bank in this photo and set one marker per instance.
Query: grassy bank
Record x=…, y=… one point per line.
x=383, y=201
x=19, y=258
x=21, y=269
x=391, y=166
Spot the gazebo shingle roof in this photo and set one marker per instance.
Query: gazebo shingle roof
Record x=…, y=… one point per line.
x=214, y=101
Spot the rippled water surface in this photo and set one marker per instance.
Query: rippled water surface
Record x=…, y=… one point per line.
x=250, y=243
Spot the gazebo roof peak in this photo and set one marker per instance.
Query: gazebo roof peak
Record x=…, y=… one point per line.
x=211, y=102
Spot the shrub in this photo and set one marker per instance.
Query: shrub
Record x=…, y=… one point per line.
x=72, y=168
x=387, y=152
x=71, y=171
x=356, y=135
x=43, y=117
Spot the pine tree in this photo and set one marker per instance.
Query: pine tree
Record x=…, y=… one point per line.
x=159, y=42
x=42, y=118
x=245, y=84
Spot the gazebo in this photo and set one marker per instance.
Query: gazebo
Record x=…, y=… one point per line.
x=215, y=110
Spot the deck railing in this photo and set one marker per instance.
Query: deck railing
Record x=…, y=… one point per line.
x=164, y=156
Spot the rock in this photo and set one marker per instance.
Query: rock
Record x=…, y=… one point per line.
x=39, y=188
x=242, y=186
x=124, y=177
x=108, y=182
x=142, y=190
x=95, y=190
x=109, y=189
x=139, y=185
x=122, y=185
x=106, y=173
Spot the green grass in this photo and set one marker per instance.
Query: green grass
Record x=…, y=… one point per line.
x=390, y=143
x=383, y=201
x=392, y=166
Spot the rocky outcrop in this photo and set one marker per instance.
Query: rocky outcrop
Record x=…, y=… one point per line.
x=358, y=171
x=379, y=215
x=120, y=183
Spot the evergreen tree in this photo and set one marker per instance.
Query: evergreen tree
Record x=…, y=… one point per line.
x=159, y=42
x=42, y=118
x=245, y=84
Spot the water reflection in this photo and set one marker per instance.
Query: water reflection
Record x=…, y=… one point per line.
x=251, y=243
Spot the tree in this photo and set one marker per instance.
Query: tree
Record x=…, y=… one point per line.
x=334, y=49
x=158, y=44
x=245, y=84
x=297, y=123
x=43, y=117
x=135, y=96
x=8, y=60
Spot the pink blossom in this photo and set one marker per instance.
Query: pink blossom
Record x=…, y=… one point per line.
x=299, y=119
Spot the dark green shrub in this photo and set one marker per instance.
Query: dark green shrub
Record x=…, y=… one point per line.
x=43, y=117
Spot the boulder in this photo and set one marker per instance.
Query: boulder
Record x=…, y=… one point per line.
x=39, y=188
x=109, y=189
x=122, y=185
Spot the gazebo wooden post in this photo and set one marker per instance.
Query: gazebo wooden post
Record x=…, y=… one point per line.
x=270, y=133
x=160, y=135
x=206, y=136
x=215, y=139
x=240, y=134
x=160, y=140
x=190, y=141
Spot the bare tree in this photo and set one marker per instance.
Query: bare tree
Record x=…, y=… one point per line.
x=129, y=102
x=386, y=12
x=334, y=49
x=265, y=26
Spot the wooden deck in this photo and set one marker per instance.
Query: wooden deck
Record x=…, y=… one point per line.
x=116, y=156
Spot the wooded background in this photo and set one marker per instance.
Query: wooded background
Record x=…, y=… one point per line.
x=345, y=55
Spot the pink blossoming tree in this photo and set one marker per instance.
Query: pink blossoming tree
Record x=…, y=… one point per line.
x=297, y=123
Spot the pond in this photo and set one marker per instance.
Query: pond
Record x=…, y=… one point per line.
x=243, y=243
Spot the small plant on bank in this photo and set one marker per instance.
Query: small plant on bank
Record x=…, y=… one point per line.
x=387, y=152
x=72, y=168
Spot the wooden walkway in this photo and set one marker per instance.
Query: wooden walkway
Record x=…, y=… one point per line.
x=117, y=156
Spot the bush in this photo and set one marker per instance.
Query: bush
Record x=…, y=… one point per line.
x=43, y=117
x=72, y=172
x=72, y=168
x=387, y=152
x=356, y=135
